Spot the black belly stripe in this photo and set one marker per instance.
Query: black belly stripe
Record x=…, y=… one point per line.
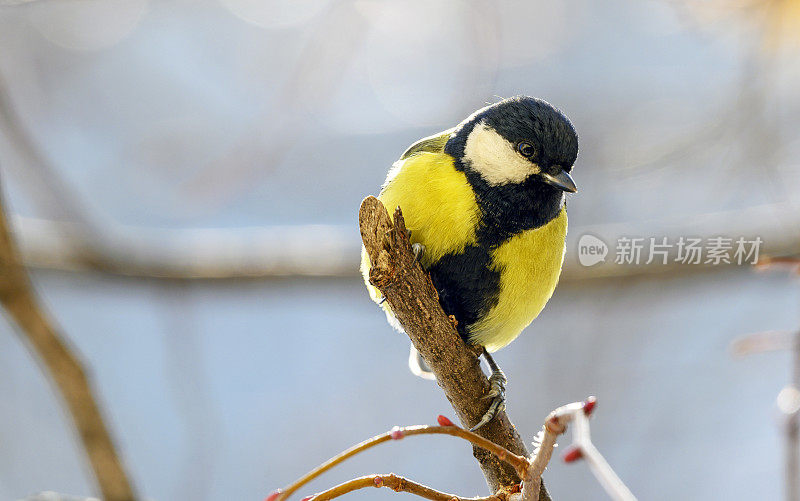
x=468, y=288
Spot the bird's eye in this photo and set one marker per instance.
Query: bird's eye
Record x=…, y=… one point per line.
x=526, y=149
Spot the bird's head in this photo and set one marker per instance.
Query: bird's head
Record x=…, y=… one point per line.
x=515, y=141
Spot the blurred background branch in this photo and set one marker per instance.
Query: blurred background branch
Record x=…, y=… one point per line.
x=333, y=250
x=63, y=368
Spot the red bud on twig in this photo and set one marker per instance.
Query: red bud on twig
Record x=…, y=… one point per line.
x=397, y=433
x=589, y=405
x=572, y=454
x=378, y=481
x=273, y=495
x=443, y=421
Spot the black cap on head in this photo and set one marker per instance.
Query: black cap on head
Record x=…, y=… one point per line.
x=525, y=119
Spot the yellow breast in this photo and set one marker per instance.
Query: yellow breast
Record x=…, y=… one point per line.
x=438, y=205
x=529, y=265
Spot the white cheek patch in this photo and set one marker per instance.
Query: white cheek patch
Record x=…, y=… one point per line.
x=496, y=159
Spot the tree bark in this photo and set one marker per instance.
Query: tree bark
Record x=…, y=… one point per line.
x=414, y=301
x=63, y=367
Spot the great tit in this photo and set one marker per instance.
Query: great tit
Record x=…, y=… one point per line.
x=485, y=205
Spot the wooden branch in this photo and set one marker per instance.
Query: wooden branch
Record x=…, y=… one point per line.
x=19, y=300
x=397, y=484
x=415, y=303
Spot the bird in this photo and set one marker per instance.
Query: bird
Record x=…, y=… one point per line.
x=485, y=205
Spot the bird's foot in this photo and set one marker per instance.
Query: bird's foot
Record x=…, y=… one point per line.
x=497, y=393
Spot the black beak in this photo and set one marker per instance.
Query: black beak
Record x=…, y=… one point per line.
x=562, y=181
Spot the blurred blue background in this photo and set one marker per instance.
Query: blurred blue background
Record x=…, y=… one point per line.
x=184, y=179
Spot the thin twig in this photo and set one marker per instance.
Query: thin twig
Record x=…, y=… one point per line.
x=532, y=481
x=519, y=463
x=529, y=469
x=397, y=484
x=581, y=448
x=554, y=425
x=613, y=485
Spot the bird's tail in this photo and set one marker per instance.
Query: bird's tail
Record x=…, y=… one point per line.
x=418, y=366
